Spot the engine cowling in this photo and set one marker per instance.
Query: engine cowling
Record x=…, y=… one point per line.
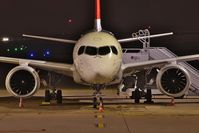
x=22, y=81
x=173, y=80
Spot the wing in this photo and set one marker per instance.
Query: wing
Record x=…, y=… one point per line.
x=127, y=68
x=144, y=37
x=62, y=68
x=50, y=39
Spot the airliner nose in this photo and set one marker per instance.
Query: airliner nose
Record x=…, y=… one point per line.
x=100, y=77
x=99, y=70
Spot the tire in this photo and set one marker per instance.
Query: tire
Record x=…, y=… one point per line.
x=95, y=102
x=101, y=101
x=148, y=97
x=47, y=97
x=137, y=96
x=59, y=96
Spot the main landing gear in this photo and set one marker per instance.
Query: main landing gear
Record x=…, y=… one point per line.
x=97, y=96
x=137, y=96
x=53, y=95
x=148, y=97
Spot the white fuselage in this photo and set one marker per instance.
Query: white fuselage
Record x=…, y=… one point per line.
x=98, y=58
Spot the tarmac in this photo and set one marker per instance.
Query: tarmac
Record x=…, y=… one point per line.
x=76, y=114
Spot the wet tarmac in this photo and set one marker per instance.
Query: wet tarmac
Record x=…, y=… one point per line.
x=76, y=115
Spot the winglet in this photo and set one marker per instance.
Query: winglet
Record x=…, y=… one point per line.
x=98, y=26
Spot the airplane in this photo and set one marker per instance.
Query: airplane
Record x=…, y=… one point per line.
x=97, y=57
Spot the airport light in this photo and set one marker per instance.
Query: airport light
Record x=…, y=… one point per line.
x=5, y=39
x=47, y=53
x=32, y=54
x=70, y=20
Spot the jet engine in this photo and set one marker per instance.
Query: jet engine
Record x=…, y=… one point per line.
x=22, y=81
x=173, y=80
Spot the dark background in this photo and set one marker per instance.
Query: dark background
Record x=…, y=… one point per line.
x=71, y=18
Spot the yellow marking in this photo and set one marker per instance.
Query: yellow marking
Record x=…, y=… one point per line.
x=100, y=116
x=100, y=119
x=100, y=125
x=45, y=103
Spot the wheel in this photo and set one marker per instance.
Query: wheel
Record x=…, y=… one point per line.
x=137, y=96
x=95, y=102
x=148, y=97
x=47, y=97
x=59, y=97
x=101, y=102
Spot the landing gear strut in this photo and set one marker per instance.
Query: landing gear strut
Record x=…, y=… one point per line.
x=54, y=95
x=97, y=96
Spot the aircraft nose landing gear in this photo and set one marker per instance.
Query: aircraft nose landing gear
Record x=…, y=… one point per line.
x=97, y=97
x=98, y=102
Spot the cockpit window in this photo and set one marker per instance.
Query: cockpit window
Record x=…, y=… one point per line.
x=81, y=50
x=114, y=50
x=91, y=50
x=104, y=50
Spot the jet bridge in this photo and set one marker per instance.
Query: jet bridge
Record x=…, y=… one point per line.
x=132, y=55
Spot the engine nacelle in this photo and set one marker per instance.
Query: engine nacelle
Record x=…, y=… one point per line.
x=22, y=81
x=173, y=80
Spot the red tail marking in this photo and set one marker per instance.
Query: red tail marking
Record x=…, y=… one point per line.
x=98, y=12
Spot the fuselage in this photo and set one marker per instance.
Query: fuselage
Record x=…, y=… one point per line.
x=97, y=58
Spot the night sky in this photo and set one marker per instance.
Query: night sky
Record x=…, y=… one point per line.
x=71, y=18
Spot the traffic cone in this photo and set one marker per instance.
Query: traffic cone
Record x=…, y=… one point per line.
x=172, y=101
x=101, y=109
x=21, y=102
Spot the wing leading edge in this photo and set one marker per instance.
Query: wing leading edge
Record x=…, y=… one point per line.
x=126, y=68
x=50, y=39
x=66, y=69
x=144, y=37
